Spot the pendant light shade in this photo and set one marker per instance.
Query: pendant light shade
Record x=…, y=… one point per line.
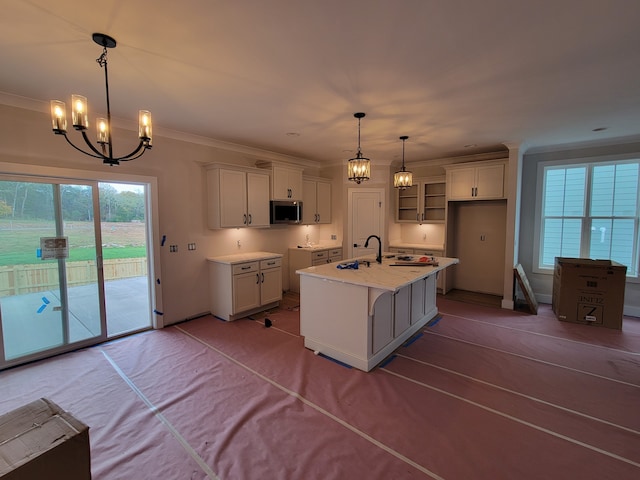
x=359, y=168
x=402, y=179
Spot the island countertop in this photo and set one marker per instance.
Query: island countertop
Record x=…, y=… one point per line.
x=384, y=276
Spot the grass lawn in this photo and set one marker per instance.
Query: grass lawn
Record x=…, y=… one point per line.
x=20, y=240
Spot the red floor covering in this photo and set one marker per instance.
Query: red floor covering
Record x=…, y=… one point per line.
x=482, y=394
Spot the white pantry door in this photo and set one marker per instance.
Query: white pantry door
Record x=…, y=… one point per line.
x=366, y=217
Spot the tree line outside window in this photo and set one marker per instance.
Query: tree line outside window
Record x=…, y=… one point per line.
x=32, y=201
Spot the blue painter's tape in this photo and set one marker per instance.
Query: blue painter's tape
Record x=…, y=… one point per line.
x=38, y=253
x=434, y=321
x=334, y=360
x=41, y=309
x=164, y=239
x=412, y=339
x=157, y=312
x=387, y=361
x=45, y=300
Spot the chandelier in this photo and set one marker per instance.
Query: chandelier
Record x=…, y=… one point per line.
x=79, y=116
x=402, y=179
x=359, y=168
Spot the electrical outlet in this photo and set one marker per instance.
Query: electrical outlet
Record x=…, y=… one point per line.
x=334, y=237
x=173, y=248
x=239, y=244
x=191, y=246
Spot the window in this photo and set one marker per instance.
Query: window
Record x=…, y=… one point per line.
x=590, y=211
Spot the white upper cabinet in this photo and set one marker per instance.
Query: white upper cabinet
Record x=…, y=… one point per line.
x=237, y=198
x=316, y=201
x=423, y=202
x=478, y=181
x=286, y=183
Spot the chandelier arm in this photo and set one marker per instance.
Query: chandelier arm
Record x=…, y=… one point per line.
x=128, y=157
x=90, y=145
x=99, y=155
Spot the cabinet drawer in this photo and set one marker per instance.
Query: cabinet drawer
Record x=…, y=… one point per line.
x=270, y=263
x=335, y=252
x=245, y=267
x=431, y=253
x=401, y=250
x=322, y=255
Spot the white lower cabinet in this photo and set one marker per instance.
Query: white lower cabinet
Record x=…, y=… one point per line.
x=241, y=285
x=300, y=258
x=395, y=313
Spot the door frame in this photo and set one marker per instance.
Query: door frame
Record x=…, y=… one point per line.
x=153, y=232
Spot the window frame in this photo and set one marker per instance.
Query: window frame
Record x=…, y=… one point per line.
x=588, y=163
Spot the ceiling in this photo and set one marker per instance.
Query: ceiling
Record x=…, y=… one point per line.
x=457, y=76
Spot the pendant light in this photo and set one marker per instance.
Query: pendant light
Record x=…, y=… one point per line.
x=359, y=168
x=402, y=179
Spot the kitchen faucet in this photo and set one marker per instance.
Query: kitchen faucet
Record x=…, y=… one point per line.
x=366, y=245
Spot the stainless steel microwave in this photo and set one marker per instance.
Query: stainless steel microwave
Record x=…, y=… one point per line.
x=283, y=211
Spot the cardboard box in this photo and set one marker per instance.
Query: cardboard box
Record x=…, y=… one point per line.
x=40, y=440
x=589, y=291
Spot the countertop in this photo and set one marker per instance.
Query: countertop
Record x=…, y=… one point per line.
x=243, y=257
x=382, y=276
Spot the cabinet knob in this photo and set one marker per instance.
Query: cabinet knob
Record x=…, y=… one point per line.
x=257, y=278
x=250, y=220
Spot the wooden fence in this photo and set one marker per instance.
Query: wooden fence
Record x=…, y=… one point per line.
x=21, y=279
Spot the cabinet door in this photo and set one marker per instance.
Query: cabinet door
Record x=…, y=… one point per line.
x=295, y=184
x=309, y=206
x=246, y=291
x=382, y=322
x=257, y=200
x=233, y=198
x=461, y=183
x=402, y=310
x=323, y=202
x=270, y=286
x=417, y=301
x=490, y=182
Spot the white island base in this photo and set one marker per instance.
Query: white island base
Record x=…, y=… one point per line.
x=360, y=323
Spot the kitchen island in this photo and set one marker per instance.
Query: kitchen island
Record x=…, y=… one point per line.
x=360, y=316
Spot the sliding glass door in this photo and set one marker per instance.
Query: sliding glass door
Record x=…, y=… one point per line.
x=51, y=280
